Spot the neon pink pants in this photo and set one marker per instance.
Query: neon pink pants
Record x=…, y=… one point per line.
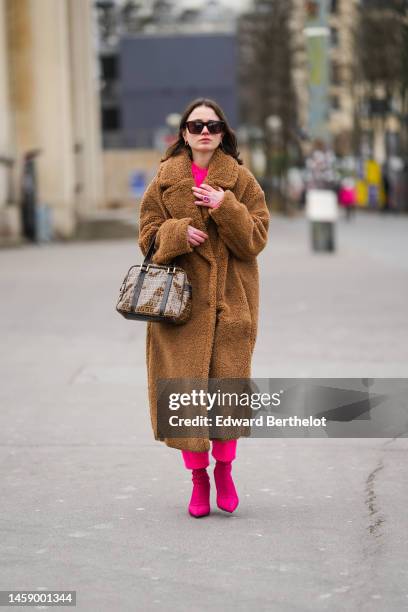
x=222, y=450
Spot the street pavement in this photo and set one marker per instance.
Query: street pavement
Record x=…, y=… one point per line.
x=91, y=502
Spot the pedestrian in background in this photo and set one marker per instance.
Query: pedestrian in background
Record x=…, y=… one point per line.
x=209, y=214
x=347, y=196
x=387, y=189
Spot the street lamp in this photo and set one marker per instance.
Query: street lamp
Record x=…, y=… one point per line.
x=254, y=137
x=274, y=123
x=173, y=120
x=274, y=126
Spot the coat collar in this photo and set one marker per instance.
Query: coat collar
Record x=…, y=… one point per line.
x=176, y=180
x=222, y=170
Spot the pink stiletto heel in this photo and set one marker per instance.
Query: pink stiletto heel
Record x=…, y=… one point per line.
x=227, y=498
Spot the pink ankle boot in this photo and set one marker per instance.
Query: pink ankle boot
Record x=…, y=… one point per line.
x=200, y=497
x=227, y=498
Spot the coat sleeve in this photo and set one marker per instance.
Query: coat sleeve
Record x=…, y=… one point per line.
x=243, y=225
x=171, y=238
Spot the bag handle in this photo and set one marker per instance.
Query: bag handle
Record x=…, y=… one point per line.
x=148, y=259
x=150, y=250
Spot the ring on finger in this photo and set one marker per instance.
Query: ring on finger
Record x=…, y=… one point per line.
x=206, y=199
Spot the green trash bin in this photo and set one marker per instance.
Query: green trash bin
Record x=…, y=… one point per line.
x=323, y=235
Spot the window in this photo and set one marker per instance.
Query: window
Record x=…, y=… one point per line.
x=334, y=6
x=335, y=76
x=335, y=103
x=110, y=67
x=334, y=37
x=110, y=119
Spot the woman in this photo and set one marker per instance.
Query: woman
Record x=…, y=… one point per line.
x=347, y=196
x=210, y=217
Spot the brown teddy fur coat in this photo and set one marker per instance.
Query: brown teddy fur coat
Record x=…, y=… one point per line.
x=219, y=338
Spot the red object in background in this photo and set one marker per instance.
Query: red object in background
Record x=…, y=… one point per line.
x=169, y=139
x=347, y=196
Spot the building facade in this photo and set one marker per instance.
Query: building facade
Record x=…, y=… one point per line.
x=342, y=21
x=49, y=104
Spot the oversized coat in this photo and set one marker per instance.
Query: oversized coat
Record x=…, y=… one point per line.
x=219, y=338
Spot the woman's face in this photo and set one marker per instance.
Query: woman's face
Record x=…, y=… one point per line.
x=204, y=142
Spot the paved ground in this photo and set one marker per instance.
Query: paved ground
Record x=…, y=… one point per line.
x=90, y=502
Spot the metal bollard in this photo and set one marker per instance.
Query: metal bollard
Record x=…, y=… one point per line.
x=29, y=195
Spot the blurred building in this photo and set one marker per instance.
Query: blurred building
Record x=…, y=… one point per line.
x=322, y=66
x=161, y=74
x=365, y=58
x=300, y=73
x=318, y=70
x=330, y=28
x=151, y=64
x=381, y=89
x=49, y=103
x=342, y=56
x=156, y=56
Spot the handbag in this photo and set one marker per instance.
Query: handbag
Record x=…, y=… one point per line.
x=151, y=292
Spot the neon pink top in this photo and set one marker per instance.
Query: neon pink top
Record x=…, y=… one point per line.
x=199, y=174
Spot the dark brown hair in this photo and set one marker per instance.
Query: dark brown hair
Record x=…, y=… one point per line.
x=229, y=142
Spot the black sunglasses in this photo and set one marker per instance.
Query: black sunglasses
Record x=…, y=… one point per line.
x=196, y=127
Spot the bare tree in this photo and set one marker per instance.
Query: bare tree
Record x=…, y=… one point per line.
x=382, y=56
x=266, y=51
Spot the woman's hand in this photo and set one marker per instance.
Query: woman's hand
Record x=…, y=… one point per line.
x=208, y=195
x=195, y=236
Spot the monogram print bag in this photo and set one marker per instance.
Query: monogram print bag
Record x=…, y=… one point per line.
x=151, y=292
